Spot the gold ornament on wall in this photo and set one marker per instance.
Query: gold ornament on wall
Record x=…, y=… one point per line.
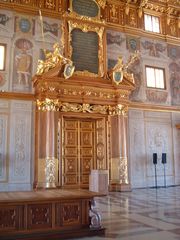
x=142, y=5
x=52, y=59
x=127, y=9
x=120, y=70
x=56, y=105
x=48, y=104
x=140, y=12
x=101, y=3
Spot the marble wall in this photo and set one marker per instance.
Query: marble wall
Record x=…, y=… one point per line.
x=153, y=132
x=16, y=145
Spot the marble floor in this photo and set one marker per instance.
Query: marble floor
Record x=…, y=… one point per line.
x=143, y=214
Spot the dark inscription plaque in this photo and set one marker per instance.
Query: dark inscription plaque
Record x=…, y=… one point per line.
x=85, y=51
x=85, y=7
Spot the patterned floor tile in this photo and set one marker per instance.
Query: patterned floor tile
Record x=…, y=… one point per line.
x=143, y=214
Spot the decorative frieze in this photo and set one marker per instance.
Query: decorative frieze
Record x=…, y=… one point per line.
x=56, y=105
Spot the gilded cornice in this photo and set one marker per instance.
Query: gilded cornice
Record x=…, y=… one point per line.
x=75, y=16
x=80, y=91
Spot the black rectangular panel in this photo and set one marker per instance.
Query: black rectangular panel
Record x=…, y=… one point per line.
x=85, y=47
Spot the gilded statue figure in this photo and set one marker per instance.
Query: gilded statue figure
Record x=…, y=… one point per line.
x=120, y=70
x=52, y=59
x=119, y=65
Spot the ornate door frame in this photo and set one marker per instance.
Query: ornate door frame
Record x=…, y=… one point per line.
x=99, y=141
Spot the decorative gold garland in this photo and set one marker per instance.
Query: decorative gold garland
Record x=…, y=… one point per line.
x=56, y=105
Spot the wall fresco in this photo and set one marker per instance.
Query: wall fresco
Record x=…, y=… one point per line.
x=52, y=28
x=153, y=49
x=22, y=66
x=156, y=96
x=174, y=72
x=132, y=44
x=24, y=25
x=116, y=45
x=3, y=19
x=136, y=70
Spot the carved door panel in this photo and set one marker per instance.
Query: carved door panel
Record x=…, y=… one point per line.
x=70, y=153
x=78, y=151
x=100, y=132
x=86, y=150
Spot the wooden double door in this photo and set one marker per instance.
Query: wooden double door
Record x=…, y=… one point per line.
x=83, y=149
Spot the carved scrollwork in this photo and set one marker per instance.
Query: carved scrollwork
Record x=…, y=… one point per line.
x=118, y=110
x=49, y=105
x=94, y=216
x=75, y=107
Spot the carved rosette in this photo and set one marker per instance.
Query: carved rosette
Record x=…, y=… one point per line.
x=50, y=171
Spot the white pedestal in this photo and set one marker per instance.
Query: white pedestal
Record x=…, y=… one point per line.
x=98, y=181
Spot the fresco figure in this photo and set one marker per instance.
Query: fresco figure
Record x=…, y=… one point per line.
x=23, y=62
x=22, y=70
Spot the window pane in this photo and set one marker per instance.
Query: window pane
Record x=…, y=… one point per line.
x=155, y=77
x=150, y=77
x=159, y=78
x=151, y=23
x=148, y=22
x=2, y=57
x=155, y=24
